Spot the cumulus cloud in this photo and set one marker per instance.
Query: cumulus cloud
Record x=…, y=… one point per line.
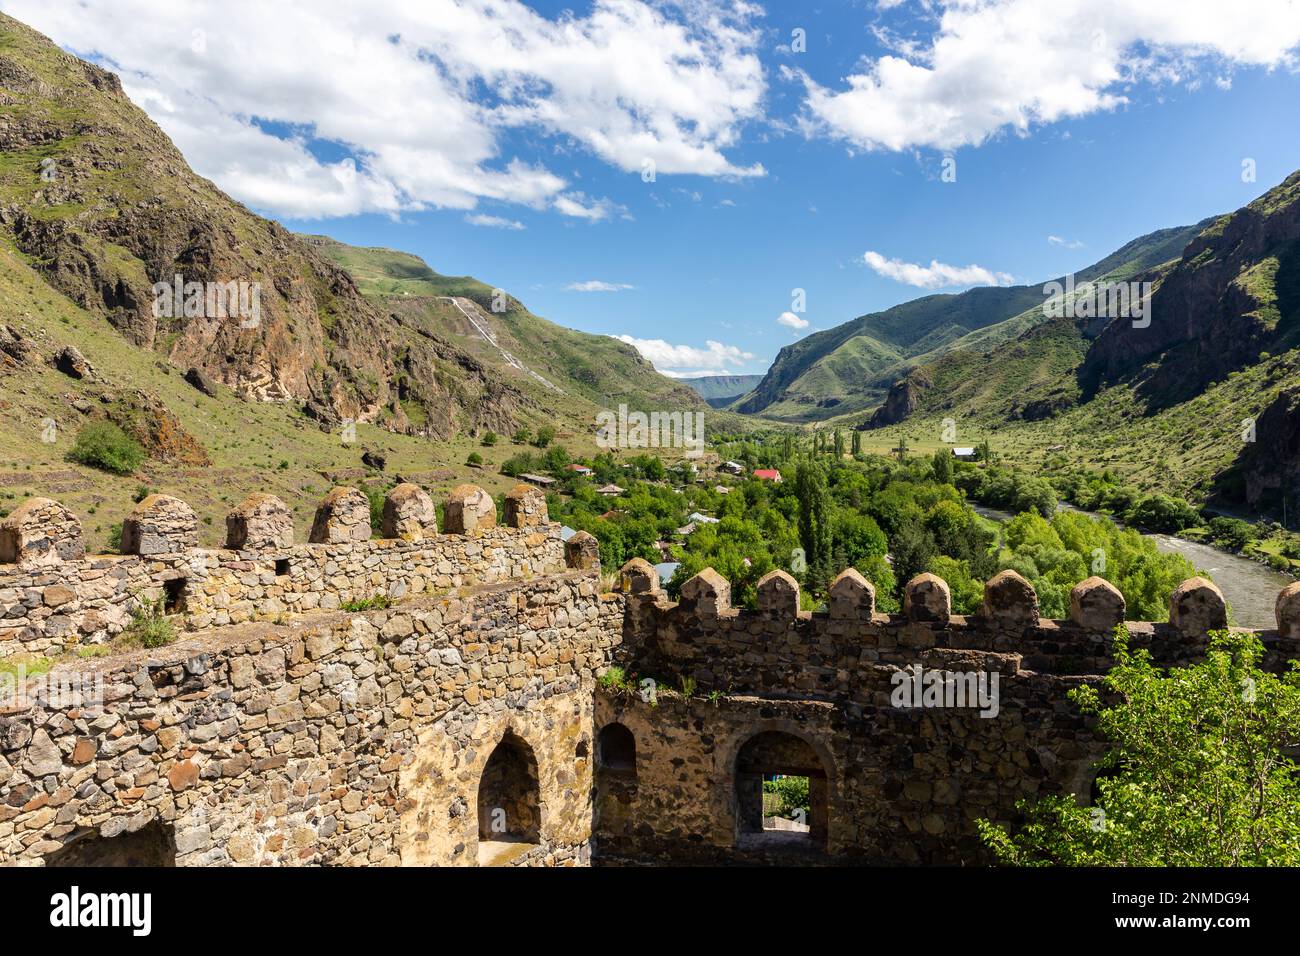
x=595, y=285
x=1011, y=64
x=494, y=222
x=319, y=108
x=791, y=321
x=936, y=275
x=689, y=361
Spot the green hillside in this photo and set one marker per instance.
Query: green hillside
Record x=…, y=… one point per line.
x=849, y=368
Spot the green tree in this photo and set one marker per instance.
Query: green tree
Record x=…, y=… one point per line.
x=1198, y=764
x=815, y=532
x=942, y=463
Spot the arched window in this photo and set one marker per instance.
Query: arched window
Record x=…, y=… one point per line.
x=509, y=800
x=782, y=793
x=616, y=749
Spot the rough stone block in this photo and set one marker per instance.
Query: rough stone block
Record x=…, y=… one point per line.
x=343, y=517
x=778, y=595
x=639, y=577
x=852, y=597
x=160, y=524
x=409, y=514
x=1010, y=599
x=1196, y=607
x=1288, y=611
x=707, y=594
x=40, y=531
x=582, y=551
x=927, y=599
x=1097, y=605
x=525, y=507
x=469, y=508
x=260, y=522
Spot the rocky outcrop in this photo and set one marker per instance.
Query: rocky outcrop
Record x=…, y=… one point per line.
x=1215, y=311
x=903, y=399
x=230, y=297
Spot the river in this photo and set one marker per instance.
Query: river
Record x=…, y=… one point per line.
x=1249, y=587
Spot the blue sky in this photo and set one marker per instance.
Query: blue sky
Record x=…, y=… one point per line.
x=775, y=169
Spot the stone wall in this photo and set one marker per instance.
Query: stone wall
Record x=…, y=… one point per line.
x=903, y=785
x=347, y=739
x=475, y=721
x=51, y=604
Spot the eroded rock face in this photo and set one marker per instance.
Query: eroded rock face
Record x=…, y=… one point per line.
x=260, y=522
x=409, y=514
x=903, y=398
x=72, y=363
x=343, y=517
x=40, y=532
x=470, y=508
x=160, y=524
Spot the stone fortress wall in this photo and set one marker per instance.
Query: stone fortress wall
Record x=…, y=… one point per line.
x=466, y=723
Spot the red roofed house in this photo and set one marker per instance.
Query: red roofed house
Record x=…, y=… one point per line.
x=768, y=474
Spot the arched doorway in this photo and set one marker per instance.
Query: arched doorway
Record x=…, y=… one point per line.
x=509, y=802
x=782, y=793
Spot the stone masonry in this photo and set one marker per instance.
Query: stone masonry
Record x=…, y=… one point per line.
x=466, y=723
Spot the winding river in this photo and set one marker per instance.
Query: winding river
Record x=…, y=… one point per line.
x=1249, y=587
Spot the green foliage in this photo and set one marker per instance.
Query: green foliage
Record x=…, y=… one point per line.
x=545, y=435
x=149, y=626
x=1200, y=775
x=789, y=796
x=376, y=603
x=474, y=459
x=489, y=439
x=376, y=499
x=105, y=446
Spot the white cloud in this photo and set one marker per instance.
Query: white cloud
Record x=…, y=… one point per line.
x=1012, y=64
x=494, y=222
x=579, y=206
x=1067, y=243
x=688, y=361
x=399, y=106
x=595, y=285
x=791, y=321
x=936, y=275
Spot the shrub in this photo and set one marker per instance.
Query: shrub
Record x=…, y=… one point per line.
x=376, y=603
x=489, y=439
x=474, y=459
x=103, y=445
x=149, y=626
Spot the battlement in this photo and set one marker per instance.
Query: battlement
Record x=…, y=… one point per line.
x=54, y=596
x=777, y=648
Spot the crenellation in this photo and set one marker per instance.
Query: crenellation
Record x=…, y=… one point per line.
x=282, y=729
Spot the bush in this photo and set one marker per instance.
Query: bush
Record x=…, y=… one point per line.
x=489, y=439
x=103, y=445
x=791, y=797
x=474, y=459
x=376, y=603
x=149, y=627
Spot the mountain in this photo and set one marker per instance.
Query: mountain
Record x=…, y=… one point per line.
x=1169, y=404
x=577, y=372
x=97, y=207
x=850, y=368
x=721, y=390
